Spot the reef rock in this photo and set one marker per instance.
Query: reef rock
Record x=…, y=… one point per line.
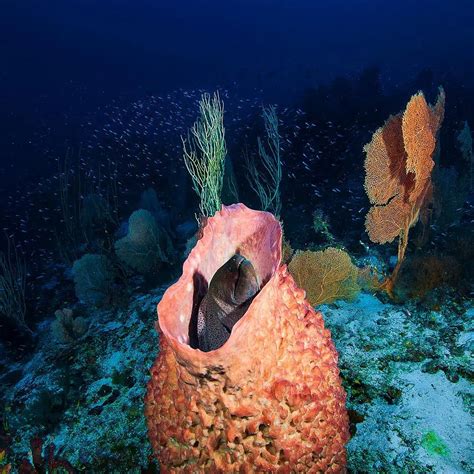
x=270, y=399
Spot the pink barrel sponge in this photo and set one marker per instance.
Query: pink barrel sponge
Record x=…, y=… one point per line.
x=270, y=399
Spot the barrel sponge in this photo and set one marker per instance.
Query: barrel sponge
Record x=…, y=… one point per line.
x=270, y=399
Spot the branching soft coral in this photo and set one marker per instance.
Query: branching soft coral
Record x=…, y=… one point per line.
x=41, y=464
x=325, y=275
x=398, y=169
x=464, y=140
x=204, y=154
x=422, y=274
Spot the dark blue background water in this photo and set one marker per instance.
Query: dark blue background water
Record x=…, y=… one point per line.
x=62, y=59
x=117, y=82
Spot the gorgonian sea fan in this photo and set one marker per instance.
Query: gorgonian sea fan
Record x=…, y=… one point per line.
x=398, y=166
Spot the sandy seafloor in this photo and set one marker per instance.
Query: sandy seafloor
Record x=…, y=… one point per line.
x=407, y=371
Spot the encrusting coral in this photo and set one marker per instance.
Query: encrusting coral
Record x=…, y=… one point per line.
x=270, y=399
x=398, y=170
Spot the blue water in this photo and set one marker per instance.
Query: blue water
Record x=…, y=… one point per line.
x=96, y=98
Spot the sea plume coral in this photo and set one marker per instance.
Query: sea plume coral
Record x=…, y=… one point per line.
x=464, y=141
x=270, y=399
x=204, y=153
x=13, y=286
x=398, y=168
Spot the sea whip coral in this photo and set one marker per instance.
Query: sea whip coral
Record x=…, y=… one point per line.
x=270, y=399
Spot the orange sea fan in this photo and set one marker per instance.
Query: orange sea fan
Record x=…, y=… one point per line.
x=326, y=275
x=398, y=168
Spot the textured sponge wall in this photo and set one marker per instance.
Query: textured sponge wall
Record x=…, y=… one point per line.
x=269, y=400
